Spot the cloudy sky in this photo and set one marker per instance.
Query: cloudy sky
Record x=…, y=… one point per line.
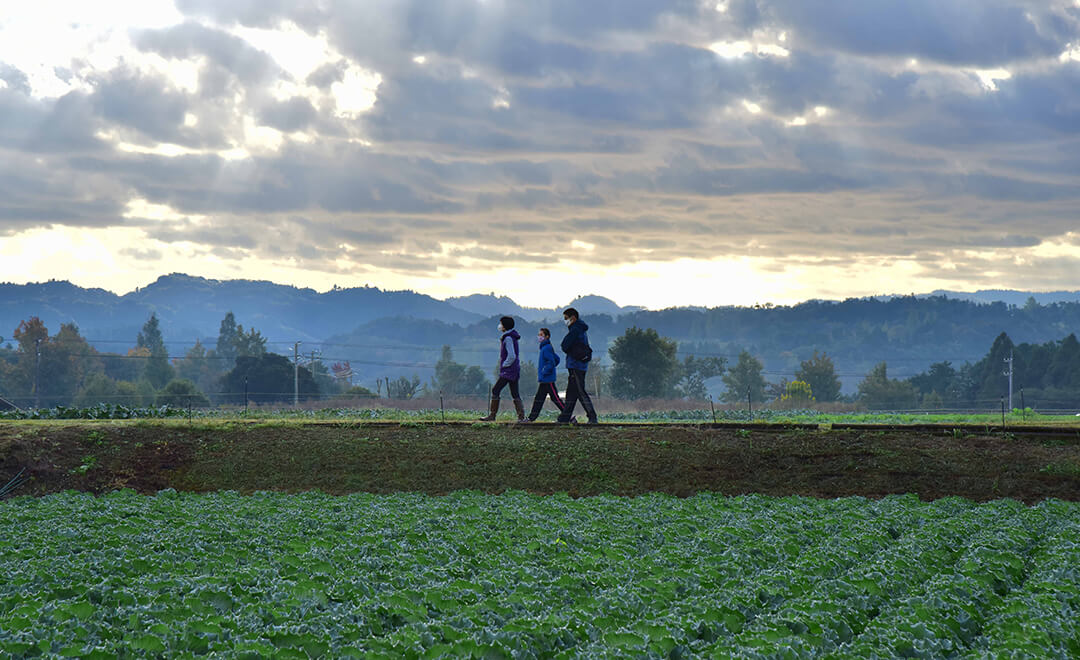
x=658, y=153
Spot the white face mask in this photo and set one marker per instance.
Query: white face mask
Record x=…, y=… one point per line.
x=500, y=327
x=568, y=322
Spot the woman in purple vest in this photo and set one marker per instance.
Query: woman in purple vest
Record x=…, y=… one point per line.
x=509, y=370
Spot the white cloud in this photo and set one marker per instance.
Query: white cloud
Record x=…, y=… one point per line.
x=989, y=77
x=731, y=48
x=736, y=49
x=773, y=50
x=40, y=38
x=138, y=207
x=356, y=92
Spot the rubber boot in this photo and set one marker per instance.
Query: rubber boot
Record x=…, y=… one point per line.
x=494, y=411
x=520, y=408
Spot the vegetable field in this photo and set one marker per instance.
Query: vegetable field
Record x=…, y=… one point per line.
x=518, y=575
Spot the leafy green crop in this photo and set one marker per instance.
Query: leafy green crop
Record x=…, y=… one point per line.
x=699, y=416
x=517, y=575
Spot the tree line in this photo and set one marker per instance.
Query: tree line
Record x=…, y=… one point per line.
x=43, y=370
x=645, y=364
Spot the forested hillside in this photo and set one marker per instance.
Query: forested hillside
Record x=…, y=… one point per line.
x=400, y=335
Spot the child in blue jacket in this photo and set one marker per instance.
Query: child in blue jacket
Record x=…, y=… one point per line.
x=545, y=374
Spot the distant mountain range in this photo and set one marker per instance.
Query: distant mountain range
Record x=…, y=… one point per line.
x=492, y=305
x=191, y=308
x=1010, y=297
x=392, y=333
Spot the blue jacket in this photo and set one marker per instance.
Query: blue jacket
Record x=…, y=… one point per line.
x=549, y=359
x=577, y=333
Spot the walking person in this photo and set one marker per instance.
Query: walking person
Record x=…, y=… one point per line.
x=509, y=370
x=578, y=353
x=545, y=375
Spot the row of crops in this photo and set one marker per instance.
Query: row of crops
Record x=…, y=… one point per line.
x=115, y=411
x=518, y=575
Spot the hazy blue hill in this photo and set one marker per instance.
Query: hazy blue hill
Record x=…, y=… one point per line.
x=600, y=305
x=492, y=305
x=488, y=304
x=392, y=333
x=192, y=308
x=1012, y=297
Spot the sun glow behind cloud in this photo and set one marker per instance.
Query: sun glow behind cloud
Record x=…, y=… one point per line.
x=34, y=39
x=312, y=155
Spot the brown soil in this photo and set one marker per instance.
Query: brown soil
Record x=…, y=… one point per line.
x=435, y=459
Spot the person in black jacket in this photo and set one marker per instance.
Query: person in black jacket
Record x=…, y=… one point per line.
x=578, y=353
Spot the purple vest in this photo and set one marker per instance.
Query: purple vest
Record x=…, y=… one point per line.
x=513, y=370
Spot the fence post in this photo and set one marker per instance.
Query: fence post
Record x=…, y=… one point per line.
x=1023, y=408
x=713, y=408
x=442, y=408
x=1002, y=413
x=749, y=404
x=245, y=396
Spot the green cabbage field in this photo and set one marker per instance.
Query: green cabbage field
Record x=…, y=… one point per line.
x=518, y=575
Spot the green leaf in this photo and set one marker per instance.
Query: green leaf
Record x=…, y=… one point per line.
x=623, y=639
x=148, y=643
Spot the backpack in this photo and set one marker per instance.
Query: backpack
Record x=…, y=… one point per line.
x=581, y=352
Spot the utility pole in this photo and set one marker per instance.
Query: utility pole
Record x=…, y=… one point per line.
x=315, y=354
x=296, y=374
x=37, y=373
x=1009, y=373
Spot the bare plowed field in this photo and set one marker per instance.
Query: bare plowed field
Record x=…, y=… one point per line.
x=623, y=460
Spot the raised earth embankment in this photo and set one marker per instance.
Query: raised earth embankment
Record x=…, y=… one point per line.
x=625, y=460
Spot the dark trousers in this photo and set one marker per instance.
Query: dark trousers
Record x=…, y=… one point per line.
x=575, y=389
x=503, y=382
x=544, y=391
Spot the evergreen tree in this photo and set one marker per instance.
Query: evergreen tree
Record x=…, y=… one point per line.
x=643, y=364
x=745, y=379
x=269, y=379
x=940, y=380
x=98, y=388
x=250, y=343
x=150, y=336
x=454, y=379
x=818, y=372
x=227, y=339
x=158, y=370
x=1064, y=369
x=181, y=393
x=695, y=371
x=879, y=392
x=990, y=381
x=200, y=366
